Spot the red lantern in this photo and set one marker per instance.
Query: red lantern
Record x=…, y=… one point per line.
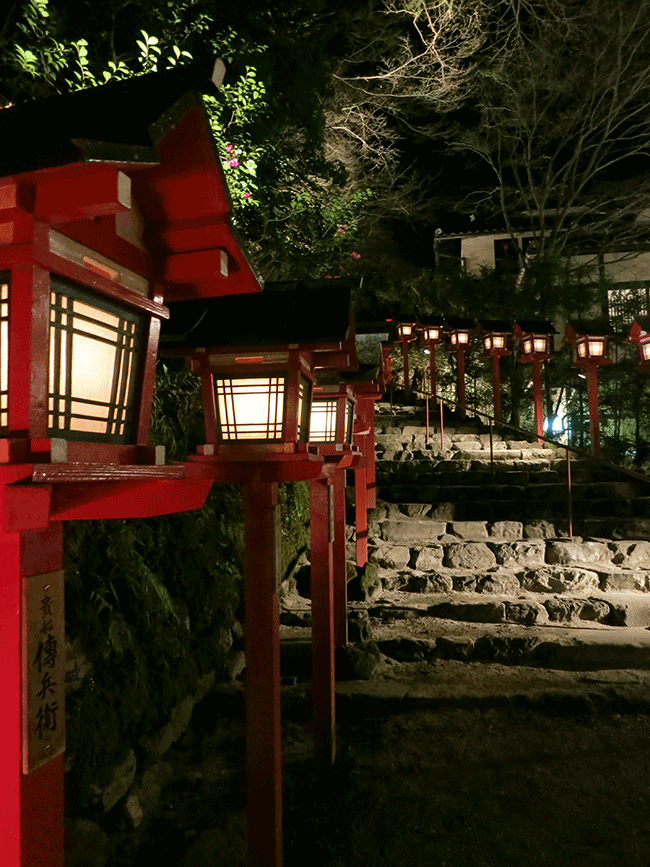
x=590, y=343
x=430, y=337
x=494, y=335
x=536, y=339
x=459, y=331
x=97, y=230
x=406, y=334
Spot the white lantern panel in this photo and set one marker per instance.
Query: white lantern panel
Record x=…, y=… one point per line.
x=463, y=337
x=487, y=343
x=596, y=346
x=93, y=346
x=250, y=408
x=528, y=346
x=645, y=351
x=582, y=349
x=498, y=341
x=4, y=349
x=539, y=344
x=322, y=425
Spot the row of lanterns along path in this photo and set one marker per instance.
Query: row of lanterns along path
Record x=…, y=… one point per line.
x=115, y=232
x=536, y=339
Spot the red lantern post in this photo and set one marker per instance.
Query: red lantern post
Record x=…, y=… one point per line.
x=459, y=331
x=406, y=334
x=256, y=359
x=640, y=334
x=537, y=342
x=590, y=353
x=430, y=337
x=494, y=334
x=81, y=305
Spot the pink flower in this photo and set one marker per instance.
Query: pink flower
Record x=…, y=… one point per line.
x=356, y=255
x=234, y=162
x=247, y=195
x=229, y=148
x=328, y=276
x=340, y=231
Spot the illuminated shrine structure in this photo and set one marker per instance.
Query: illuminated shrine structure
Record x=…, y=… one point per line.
x=112, y=203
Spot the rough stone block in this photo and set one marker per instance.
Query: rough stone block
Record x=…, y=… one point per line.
x=390, y=556
x=558, y=579
x=564, y=553
x=526, y=612
x=624, y=579
x=443, y=512
x=572, y=610
x=634, y=528
x=630, y=611
x=498, y=583
x=471, y=612
x=511, y=530
x=404, y=532
x=429, y=558
x=631, y=553
x=469, y=529
x=471, y=555
x=414, y=510
x=539, y=530
x=531, y=552
x=464, y=583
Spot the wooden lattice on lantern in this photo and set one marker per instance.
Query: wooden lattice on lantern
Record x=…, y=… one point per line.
x=494, y=334
x=118, y=220
x=590, y=342
x=258, y=359
x=640, y=334
x=536, y=338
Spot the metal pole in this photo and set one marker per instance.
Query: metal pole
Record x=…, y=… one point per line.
x=496, y=388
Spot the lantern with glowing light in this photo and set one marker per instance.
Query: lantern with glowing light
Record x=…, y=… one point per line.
x=460, y=331
x=536, y=340
x=97, y=231
x=590, y=342
x=494, y=335
x=430, y=336
x=406, y=333
x=640, y=334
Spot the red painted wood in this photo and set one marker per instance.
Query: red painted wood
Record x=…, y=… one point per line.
x=31, y=806
x=209, y=407
x=340, y=562
x=537, y=397
x=594, y=426
x=405, y=365
x=262, y=636
x=39, y=352
x=83, y=502
x=82, y=197
x=460, y=383
x=322, y=621
x=148, y=380
x=361, y=514
x=20, y=348
x=196, y=265
x=27, y=507
x=496, y=387
x=369, y=451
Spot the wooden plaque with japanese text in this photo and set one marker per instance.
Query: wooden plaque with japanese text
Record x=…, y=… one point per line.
x=44, y=669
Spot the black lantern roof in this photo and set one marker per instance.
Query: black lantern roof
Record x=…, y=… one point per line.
x=459, y=323
x=306, y=313
x=591, y=326
x=536, y=326
x=491, y=325
x=118, y=122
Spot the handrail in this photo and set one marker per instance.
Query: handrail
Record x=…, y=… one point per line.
x=493, y=421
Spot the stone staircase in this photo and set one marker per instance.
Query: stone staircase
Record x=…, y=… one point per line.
x=473, y=556
x=470, y=560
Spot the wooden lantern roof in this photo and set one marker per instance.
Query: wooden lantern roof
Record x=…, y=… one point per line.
x=143, y=146
x=314, y=316
x=531, y=326
x=491, y=326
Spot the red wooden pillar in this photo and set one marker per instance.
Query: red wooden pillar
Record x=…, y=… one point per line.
x=433, y=372
x=460, y=383
x=537, y=397
x=322, y=615
x=361, y=514
x=340, y=562
x=262, y=635
x=405, y=365
x=31, y=805
x=496, y=386
x=594, y=426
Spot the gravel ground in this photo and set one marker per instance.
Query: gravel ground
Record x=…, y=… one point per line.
x=481, y=780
